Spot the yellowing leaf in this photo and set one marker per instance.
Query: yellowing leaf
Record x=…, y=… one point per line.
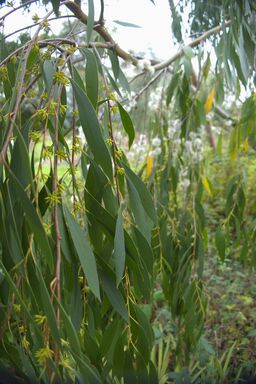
x=206, y=185
x=245, y=145
x=149, y=166
x=209, y=101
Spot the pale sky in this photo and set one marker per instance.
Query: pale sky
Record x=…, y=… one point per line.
x=155, y=31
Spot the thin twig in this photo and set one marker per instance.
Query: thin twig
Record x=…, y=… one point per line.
x=19, y=93
x=16, y=9
x=34, y=25
x=101, y=18
x=149, y=84
x=192, y=44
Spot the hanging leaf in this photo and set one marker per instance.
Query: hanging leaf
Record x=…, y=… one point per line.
x=84, y=252
x=127, y=124
x=115, y=64
x=34, y=222
x=149, y=166
x=92, y=130
x=209, y=101
x=125, y=24
x=55, y=6
x=114, y=296
x=119, y=248
x=207, y=185
x=90, y=21
x=144, y=194
x=91, y=77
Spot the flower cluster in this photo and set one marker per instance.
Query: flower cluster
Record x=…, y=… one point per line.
x=139, y=149
x=156, y=144
x=184, y=178
x=145, y=65
x=194, y=148
x=155, y=99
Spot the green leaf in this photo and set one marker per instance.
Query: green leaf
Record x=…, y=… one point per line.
x=90, y=21
x=172, y=88
x=125, y=24
x=115, y=64
x=55, y=6
x=144, y=194
x=220, y=243
x=108, y=223
x=34, y=221
x=188, y=52
x=78, y=79
x=47, y=305
x=92, y=130
x=119, y=248
x=48, y=71
x=114, y=296
x=84, y=252
x=91, y=77
x=19, y=299
x=127, y=123
x=140, y=216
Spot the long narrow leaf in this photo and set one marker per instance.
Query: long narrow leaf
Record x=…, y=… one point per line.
x=84, y=252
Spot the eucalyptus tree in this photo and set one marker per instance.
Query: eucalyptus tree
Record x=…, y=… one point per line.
x=85, y=240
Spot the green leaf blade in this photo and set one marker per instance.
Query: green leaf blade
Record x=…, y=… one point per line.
x=92, y=130
x=84, y=252
x=127, y=124
x=119, y=248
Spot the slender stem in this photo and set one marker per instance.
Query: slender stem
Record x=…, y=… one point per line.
x=192, y=44
x=19, y=94
x=34, y=25
x=16, y=9
x=101, y=18
x=56, y=220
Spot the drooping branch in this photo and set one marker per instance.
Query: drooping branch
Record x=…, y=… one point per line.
x=192, y=44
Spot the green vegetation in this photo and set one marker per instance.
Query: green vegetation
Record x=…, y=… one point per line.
x=127, y=201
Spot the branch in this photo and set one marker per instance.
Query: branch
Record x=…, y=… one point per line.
x=15, y=9
x=42, y=44
x=192, y=44
x=34, y=25
x=77, y=11
x=101, y=18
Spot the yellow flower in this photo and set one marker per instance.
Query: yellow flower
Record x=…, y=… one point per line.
x=40, y=319
x=3, y=73
x=53, y=198
x=61, y=78
x=16, y=308
x=120, y=171
x=43, y=354
x=25, y=343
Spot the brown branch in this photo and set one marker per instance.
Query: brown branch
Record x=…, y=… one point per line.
x=101, y=18
x=192, y=44
x=102, y=31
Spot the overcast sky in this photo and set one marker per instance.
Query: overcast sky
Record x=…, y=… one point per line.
x=155, y=31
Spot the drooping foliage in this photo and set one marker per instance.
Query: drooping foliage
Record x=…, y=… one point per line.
x=90, y=235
